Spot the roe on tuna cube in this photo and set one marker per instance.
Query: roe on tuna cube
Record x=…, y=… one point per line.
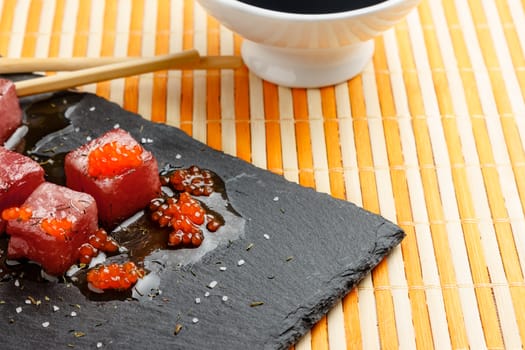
x=62, y=220
x=19, y=176
x=118, y=172
x=10, y=112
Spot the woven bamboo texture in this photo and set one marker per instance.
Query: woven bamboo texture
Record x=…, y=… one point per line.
x=431, y=135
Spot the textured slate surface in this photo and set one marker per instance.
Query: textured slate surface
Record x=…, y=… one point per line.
x=319, y=248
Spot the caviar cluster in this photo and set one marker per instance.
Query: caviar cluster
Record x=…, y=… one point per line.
x=194, y=180
x=17, y=213
x=98, y=241
x=59, y=228
x=114, y=276
x=185, y=216
x=113, y=159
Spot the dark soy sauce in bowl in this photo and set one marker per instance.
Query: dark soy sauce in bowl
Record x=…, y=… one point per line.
x=312, y=6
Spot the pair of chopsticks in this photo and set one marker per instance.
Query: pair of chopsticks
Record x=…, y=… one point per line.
x=82, y=71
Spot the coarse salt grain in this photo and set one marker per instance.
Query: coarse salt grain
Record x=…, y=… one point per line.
x=18, y=310
x=225, y=298
x=197, y=300
x=55, y=308
x=207, y=294
x=241, y=262
x=45, y=324
x=146, y=140
x=267, y=236
x=73, y=314
x=195, y=320
x=178, y=156
x=99, y=345
x=17, y=283
x=88, y=138
x=212, y=284
x=222, y=268
x=27, y=301
x=116, y=126
x=275, y=199
x=91, y=109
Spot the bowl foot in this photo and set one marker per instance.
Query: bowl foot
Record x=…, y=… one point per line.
x=306, y=68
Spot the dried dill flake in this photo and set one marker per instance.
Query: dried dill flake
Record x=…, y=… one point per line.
x=178, y=328
x=78, y=334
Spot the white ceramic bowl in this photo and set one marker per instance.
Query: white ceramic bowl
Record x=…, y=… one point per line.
x=307, y=50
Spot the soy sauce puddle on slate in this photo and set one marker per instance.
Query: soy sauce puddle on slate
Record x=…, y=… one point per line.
x=145, y=243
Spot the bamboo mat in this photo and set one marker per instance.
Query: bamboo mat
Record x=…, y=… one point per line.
x=431, y=135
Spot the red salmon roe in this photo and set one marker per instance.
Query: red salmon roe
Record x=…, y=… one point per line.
x=197, y=181
x=185, y=216
x=98, y=241
x=113, y=159
x=184, y=213
x=87, y=253
x=17, y=213
x=115, y=276
x=185, y=239
x=59, y=228
x=102, y=241
x=213, y=223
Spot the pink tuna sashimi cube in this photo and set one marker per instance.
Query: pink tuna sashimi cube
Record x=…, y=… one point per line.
x=19, y=176
x=10, y=112
x=62, y=220
x=121, y=175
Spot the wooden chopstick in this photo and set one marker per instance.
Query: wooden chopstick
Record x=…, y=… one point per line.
x=58, y=64
x=104, y=73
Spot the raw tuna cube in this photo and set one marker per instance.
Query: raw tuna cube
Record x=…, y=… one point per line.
x=10, y=112
x=62, y=220
x=19, y=176
x=115, y=169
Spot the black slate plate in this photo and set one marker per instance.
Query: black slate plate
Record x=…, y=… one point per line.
x=318, y=249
